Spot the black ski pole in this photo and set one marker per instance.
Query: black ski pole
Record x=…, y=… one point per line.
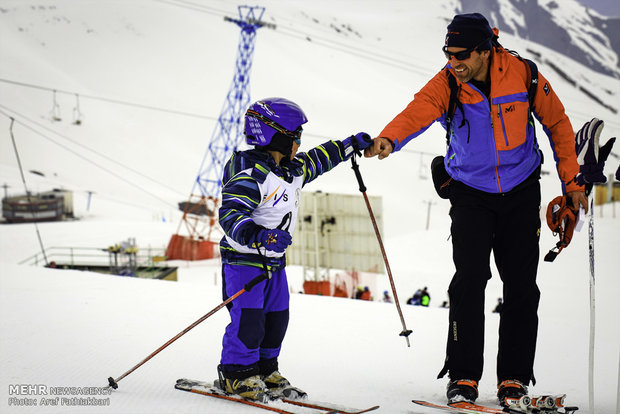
x=406, y=332
x=114, y=382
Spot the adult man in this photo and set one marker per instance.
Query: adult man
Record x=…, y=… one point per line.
x=493, y=163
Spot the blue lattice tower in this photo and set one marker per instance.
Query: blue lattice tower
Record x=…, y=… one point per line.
x=200, y=212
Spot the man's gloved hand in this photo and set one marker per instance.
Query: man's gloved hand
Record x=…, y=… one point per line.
x=590, y=155
x=275, y=240
x=360, y=142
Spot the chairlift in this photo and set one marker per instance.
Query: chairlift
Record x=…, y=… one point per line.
x=77, y=114
x=55, y=112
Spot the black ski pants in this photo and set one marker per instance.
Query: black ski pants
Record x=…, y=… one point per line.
x=509, y=226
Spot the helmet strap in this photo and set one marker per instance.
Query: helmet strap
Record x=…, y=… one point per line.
x=281, y=143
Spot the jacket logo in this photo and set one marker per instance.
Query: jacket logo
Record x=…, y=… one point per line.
x=511, y=108
x=275, y=197
x=283, y=196
x=546, y=88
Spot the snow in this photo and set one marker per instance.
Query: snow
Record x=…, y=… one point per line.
x=579, y=26
x=63, y=328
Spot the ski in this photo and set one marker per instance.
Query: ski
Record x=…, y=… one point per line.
x=235, y=399
x=524, y=405
x=208, y=389
x=454, y=408
x=330, y=408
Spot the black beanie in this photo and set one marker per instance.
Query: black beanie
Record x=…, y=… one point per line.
x=468, y=31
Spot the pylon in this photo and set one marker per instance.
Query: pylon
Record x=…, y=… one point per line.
x=200, y=212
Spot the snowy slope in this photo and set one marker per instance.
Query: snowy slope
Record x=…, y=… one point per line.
x=352, y=65
x=69, y=329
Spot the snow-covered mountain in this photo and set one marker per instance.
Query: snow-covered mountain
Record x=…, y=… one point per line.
x=565, y=26
x=147, y=78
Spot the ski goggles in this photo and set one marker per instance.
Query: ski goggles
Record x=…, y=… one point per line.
x=295, y=135
x=463, y=54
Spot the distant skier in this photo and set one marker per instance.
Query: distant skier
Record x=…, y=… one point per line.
x=425, y=297
x=260, y=199
x=386, y=297
x=491, y=175
x=500, y=305
x=366, y=295
x=359, y=292
x=416, y=298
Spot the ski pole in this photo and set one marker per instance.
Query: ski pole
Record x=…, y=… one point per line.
x=406, y=332
x=267, y=274
x=592, y=308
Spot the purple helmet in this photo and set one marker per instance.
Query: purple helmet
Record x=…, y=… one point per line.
x=266, y=117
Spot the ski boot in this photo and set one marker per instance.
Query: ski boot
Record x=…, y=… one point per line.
x=462, y=390
x=280, y=387
x=246, y=384
x=510, y=391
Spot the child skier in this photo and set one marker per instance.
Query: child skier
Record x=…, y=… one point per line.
x=260, y=198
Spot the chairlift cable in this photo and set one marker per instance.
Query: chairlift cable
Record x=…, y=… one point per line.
x=76, y=143
x=21, y=171
x=110, y=100
x=130, y=183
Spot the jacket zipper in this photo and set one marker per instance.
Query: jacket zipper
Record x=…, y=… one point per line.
x=499, y=115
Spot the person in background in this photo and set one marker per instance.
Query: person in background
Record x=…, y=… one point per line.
x=499, y=306
x=416, y=298
x=425, y=297
x=260, y=200
x=492, y=169
x=366, y=294
x=358, y=292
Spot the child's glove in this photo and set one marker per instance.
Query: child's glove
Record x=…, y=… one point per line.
x=360, y=142
x=275, y=240
x=590, y=156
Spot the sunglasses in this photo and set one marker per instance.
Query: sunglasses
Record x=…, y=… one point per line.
x=463, y=54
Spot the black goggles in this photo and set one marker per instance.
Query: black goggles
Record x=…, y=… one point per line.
x=463, y=54
x=295, y=135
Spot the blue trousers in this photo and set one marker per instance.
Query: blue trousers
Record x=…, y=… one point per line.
x=259, y=318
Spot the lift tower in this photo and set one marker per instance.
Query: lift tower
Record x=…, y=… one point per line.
x=200, y=212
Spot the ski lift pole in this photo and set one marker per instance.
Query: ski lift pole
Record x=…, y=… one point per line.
x=406, y=332
x=113, y=382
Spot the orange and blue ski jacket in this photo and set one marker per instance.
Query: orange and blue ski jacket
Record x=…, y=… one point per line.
x=494, y=147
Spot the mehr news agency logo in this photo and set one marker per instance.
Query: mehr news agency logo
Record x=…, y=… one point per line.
x=40, y=395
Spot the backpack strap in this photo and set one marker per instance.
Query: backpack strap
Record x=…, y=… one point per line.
x=532, y=70
x=452, y=103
